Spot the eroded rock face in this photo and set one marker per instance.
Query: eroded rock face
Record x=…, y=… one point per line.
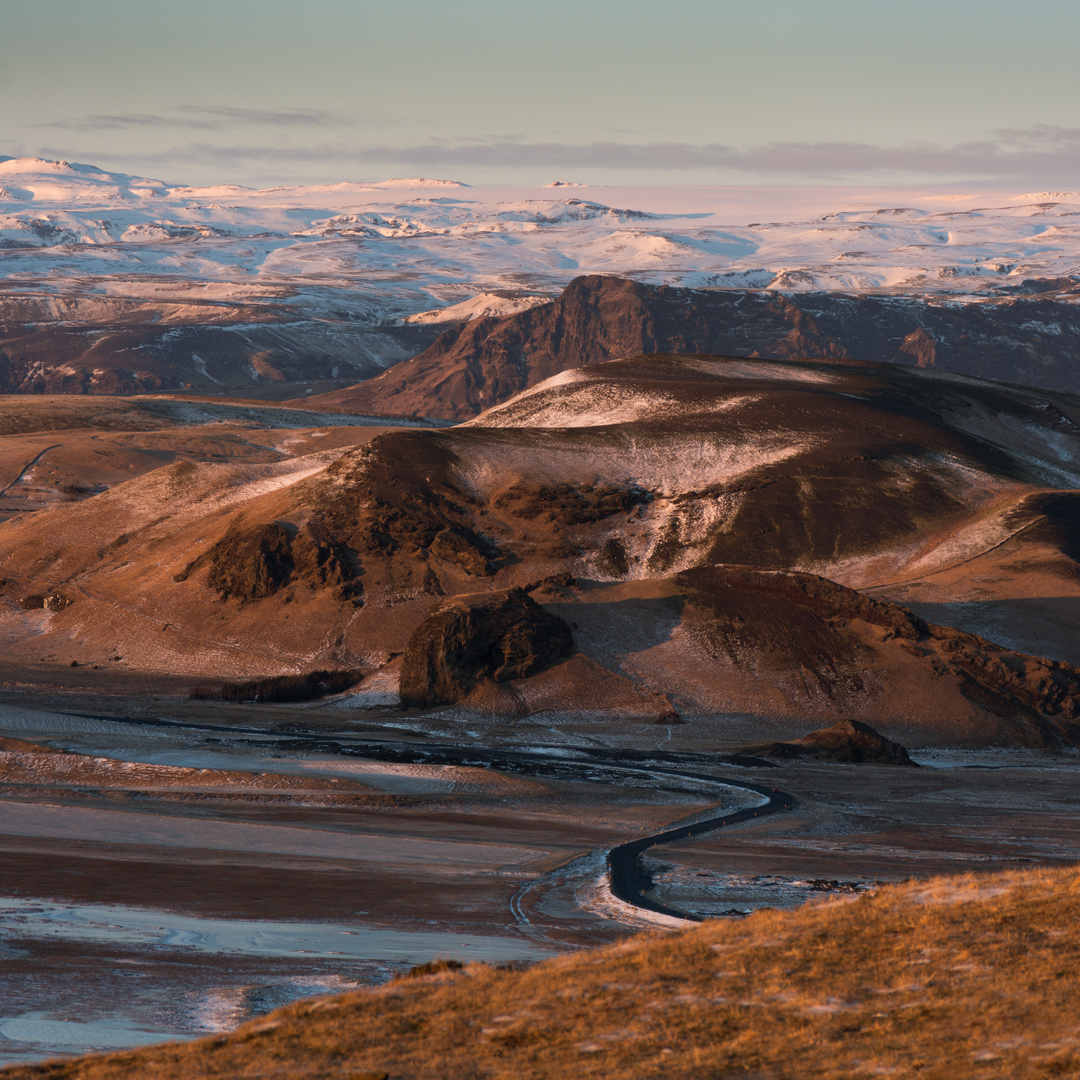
x=251, y=563
x=471, y=367
x=254, y=561
x=495, y=636
x=569, y=504
x=848, y=742
x=400, y=510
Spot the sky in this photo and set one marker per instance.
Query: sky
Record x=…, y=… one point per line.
x=262, y=92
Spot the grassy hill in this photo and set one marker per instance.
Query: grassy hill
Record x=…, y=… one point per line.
x=972, y=977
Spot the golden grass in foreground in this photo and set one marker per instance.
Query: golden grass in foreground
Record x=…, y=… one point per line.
x=952, y=978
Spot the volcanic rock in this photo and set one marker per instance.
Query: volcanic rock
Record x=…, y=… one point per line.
x=848, y=742
x=474, y=366
x=251, y=563
x=497, y=636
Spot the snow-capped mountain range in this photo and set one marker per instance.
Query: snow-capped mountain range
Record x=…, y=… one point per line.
x=399, y=248
x=120, y=284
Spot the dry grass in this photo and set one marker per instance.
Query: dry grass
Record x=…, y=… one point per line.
x=953, y=978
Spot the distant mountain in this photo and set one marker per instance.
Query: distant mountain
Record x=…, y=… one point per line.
x=87, y=343
x=1025, y=338
x=115, y=283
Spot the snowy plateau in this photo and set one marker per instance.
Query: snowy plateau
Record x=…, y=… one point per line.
x=77, y=237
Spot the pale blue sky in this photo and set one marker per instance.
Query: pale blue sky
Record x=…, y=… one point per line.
x=694, y=91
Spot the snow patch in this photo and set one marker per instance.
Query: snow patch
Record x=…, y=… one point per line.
x=481, y=306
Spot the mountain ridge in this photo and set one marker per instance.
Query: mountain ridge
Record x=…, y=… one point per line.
x=486, y=361
x=625, y=498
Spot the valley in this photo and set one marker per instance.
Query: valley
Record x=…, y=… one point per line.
x=616, y=604
x=407, y=575
x=175, y=869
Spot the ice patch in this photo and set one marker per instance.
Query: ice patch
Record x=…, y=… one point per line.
x=227, y=1008
x=115, y=925
x=75, y=1035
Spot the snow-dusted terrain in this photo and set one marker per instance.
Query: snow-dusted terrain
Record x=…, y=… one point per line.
x=82, y=239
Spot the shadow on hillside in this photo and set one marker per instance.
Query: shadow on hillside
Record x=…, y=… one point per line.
x=1046, y=626
x=607, y=632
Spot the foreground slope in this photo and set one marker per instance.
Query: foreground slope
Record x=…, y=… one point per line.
x=643, y=503
x=949, y=977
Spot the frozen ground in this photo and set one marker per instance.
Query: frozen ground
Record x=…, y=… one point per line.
x=76, y=241
x=111, y=924
x=115, y=827
x=170, y=874
x=142, y=944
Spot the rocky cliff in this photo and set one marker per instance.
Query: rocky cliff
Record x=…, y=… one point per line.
x=1024, y=338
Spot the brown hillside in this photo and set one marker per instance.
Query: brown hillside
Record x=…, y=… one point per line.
x=658, y=485
x=952, y=977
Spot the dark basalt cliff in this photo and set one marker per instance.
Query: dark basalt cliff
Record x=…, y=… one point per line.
x=1023, y=339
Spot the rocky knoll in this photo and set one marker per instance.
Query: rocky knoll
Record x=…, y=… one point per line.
x=501, y=636
x=818, y=642
x=1026, y=339
x=725, y=537
x=847, y=742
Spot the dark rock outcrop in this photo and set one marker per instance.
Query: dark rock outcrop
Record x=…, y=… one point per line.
x=327, y=564
x=847, y=742
x=495, y=636
x=251, y=563
x=1027, y=339
x=569, y=504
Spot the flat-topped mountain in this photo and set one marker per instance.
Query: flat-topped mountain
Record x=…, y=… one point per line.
x=716, y=536
x=1029, y=339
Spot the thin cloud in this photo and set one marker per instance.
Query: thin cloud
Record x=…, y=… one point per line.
x=1026, y=154
x=122, y=121
x=1037, y=155
x=227, y=115
x=207, y=118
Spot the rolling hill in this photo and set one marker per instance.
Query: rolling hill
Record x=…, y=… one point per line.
x=721, y=537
